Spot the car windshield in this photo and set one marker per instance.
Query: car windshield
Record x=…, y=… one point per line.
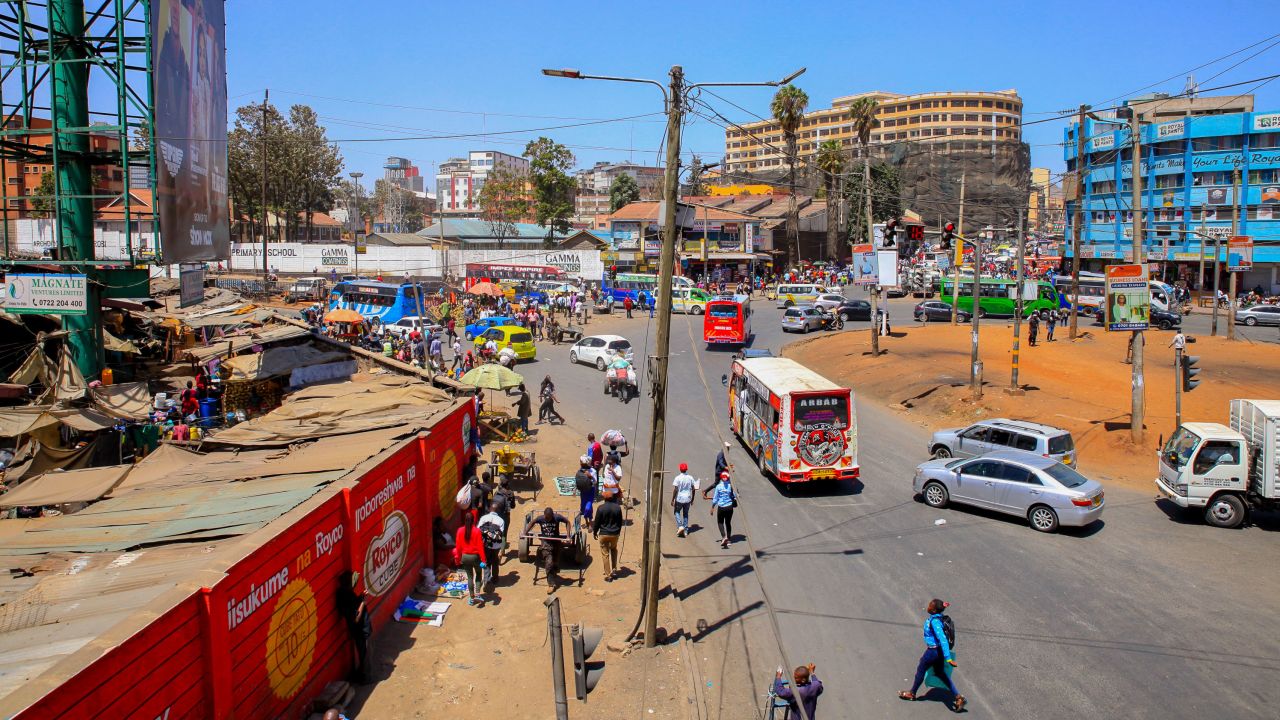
x=1180, y=446
x=1065, y=475
x=521, y=337
x=1061, y=444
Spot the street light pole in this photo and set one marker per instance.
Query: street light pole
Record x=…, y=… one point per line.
x=357, y=226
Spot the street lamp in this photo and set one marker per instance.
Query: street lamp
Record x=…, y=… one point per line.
x=674, y=102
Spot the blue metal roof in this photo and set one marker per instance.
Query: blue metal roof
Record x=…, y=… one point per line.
x=466, y=228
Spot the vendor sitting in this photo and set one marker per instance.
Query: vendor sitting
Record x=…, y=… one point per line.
x=506, y=458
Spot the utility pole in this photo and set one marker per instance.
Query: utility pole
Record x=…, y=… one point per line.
x=1200, y=241
x=658, y=379
x=1231, y=276
x=1217, y=282
x=1077, y=223
x=557, y=657
x=1177, y=387
x=358, y=224
x=266, y=94
x=1014, y=389
x=871, y=238
x=1137, y=411
x=955, y=288
x=975, y=361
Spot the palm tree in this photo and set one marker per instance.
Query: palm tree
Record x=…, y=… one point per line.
x=831, y=164
x=788, y=108
x=864, y=120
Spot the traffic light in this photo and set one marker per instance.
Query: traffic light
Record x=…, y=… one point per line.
x=585, y=675
x=890, y=234
x=948, y=235
x=1189, y=372
x=915, y=233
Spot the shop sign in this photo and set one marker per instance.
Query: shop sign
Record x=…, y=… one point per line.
x=335, y=256
x=45, y=294
x=568, y=262
x=1170, y=130
x=1266, y=121
x=1240, y=253
x=1128, y=297
x=385, y=556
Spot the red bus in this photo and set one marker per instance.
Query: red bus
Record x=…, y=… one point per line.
x=727, y=320
x=498, y=272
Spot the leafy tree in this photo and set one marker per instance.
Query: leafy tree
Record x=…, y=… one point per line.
x=886, y=194
x=697, y=184
x=788, y=108
x=623, y=192
x=42, y=207
x=831, y=165
x=553, y=187
x=863, y=111
x=504, y=201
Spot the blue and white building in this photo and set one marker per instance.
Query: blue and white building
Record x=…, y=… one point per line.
x=1187, y=170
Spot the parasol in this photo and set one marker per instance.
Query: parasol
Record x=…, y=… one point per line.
x=492, y=376
x=486, y=288
x=343, y=315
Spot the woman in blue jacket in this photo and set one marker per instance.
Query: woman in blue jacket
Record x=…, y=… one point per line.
x=937, y=655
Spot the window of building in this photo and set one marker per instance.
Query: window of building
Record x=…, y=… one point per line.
x=1163, y=182
x=1258, y=177
x=1262, y=141
x=914, y=106
x=1224, y=142
x=986, y=103
x=1211, y=179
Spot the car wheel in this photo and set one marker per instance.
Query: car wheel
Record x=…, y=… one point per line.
x=1043, y=518
x=1164, y=324
x=1251, y=321
x=1225, y=511
x=962, y=317
x=844, y=315
x=935, y=494
x=982, y=313
x=941, y=451
x=573, y=358
x=787, y=304
x=695, y=310
x=600, y=363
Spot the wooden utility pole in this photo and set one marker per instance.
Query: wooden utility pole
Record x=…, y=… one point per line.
x=1017, y=313
x=1231, y=276
x=975, y=360
x=1077, y=223
x=265, y=267
x=654, y=507
x=959, y=255
x=1217, y=282
x=1137, y=410
x=1201, y=238
x=871, y=238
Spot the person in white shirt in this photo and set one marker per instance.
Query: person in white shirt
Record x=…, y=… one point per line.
x=682, y=488
x=611, y=478
x=493, y=550
x=490, y=348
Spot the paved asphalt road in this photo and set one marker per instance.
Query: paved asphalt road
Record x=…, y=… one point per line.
x=1145, y=614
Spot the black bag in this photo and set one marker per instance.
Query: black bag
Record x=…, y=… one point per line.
x=734, y=498
x=949, y=629
x=491, y=536
x=582, y=481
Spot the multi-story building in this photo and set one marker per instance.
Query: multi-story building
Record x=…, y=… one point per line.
x=402, y=173
x=459, y=180
x=22, y=179
x=932, y=117
x=1198, y=173
x=597, y=179
x=1044, y=204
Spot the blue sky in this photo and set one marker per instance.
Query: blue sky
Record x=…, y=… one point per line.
x=377, y=69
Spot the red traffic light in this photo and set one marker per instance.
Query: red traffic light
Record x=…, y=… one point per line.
x=949, y=228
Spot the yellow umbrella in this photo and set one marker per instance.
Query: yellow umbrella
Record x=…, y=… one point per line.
x=343, y=315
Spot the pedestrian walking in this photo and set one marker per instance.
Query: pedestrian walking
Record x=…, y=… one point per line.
x=547, y=402
x=468, y=554
x=626, y=305
x=723, y=500
x=611, y=476
x=606, y=527
x=722, y=460
x=1179, y=344
x=595, y=451
x=548, y=524
x=493, y=533
x=1049, y=325
x=524, y=408
x=1033, y=327
x=585, y=482
x=938, y=654
x=682, y=487
x=806, y=690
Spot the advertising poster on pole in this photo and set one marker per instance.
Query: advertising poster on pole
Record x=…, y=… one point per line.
x=190, y=90
x=1240, y=253
x=1128, y=301
x=887, y=268
x=865, y=270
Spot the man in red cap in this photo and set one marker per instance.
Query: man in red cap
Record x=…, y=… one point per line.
x=682, y=488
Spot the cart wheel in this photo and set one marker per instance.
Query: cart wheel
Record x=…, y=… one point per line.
x=580, y=552
x=522, y=550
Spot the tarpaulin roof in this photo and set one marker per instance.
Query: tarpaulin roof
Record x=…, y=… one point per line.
x=115, y=344
x=25, y=420
x=65, y=486
x=253, y=317
x=243, y=341
x=125, y=400
x=340, y=409
x=279, y=361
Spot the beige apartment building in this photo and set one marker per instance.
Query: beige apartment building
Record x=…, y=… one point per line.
x=935, y=117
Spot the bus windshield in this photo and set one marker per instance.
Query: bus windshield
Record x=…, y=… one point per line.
x=812, y=412
x=727, y=311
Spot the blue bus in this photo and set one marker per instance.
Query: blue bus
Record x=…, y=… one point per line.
x=629, y=285
x=388, y=302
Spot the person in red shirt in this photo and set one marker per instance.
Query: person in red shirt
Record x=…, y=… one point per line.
x=468, y=552
x=190, y=401
x=627, y=305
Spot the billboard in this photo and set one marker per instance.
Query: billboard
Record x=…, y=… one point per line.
x=190, y=90
x=865, y=269
x=1239, y=253
x=1128, y=297
x=45, y=294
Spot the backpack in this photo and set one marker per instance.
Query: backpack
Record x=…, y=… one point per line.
x=582, y=481
x=948, y=629
x=491, y=536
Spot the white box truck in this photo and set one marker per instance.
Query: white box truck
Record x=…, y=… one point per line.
x=1228, y=471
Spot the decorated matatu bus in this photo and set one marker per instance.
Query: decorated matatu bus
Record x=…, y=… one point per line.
x=798, y=425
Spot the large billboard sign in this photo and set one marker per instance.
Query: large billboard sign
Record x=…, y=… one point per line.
x=1128, y=301
x=190, y=84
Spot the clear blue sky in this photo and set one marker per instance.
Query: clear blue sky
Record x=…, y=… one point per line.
x=481, y=60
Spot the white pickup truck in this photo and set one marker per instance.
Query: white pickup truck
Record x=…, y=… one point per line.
x=1225, y=470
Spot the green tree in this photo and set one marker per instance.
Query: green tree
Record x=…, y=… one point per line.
x=831, y=165
x=504, y=201
x=697, y=181
x=623, y=192
x=788, y=108
x=42, y=206
x=863, y=111
x=886, y=193
x=553, y=187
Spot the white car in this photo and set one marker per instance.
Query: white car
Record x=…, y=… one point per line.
x=409, y=323
x=599, y=349
x=828, y=301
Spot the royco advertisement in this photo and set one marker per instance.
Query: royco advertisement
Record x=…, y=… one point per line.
x=45, y=294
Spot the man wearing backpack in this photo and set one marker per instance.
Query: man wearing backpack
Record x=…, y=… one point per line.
x=493, y=532
x=939, y=655
x=585, y=482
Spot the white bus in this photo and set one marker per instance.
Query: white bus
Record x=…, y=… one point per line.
x=1093, y=288
x=799, y=425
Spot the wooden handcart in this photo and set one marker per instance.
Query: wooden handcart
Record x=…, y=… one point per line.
x=526, y=470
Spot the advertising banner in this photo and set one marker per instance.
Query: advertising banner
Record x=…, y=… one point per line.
x=865, y=270
x=190, y=285
x=1128, y=297
x=1240, y=253
x=887, y=272
x=190, y=86
x=44, y=294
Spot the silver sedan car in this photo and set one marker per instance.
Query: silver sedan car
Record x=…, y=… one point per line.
x=802, y=318
x=1044, y=491
x=1259, y=315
